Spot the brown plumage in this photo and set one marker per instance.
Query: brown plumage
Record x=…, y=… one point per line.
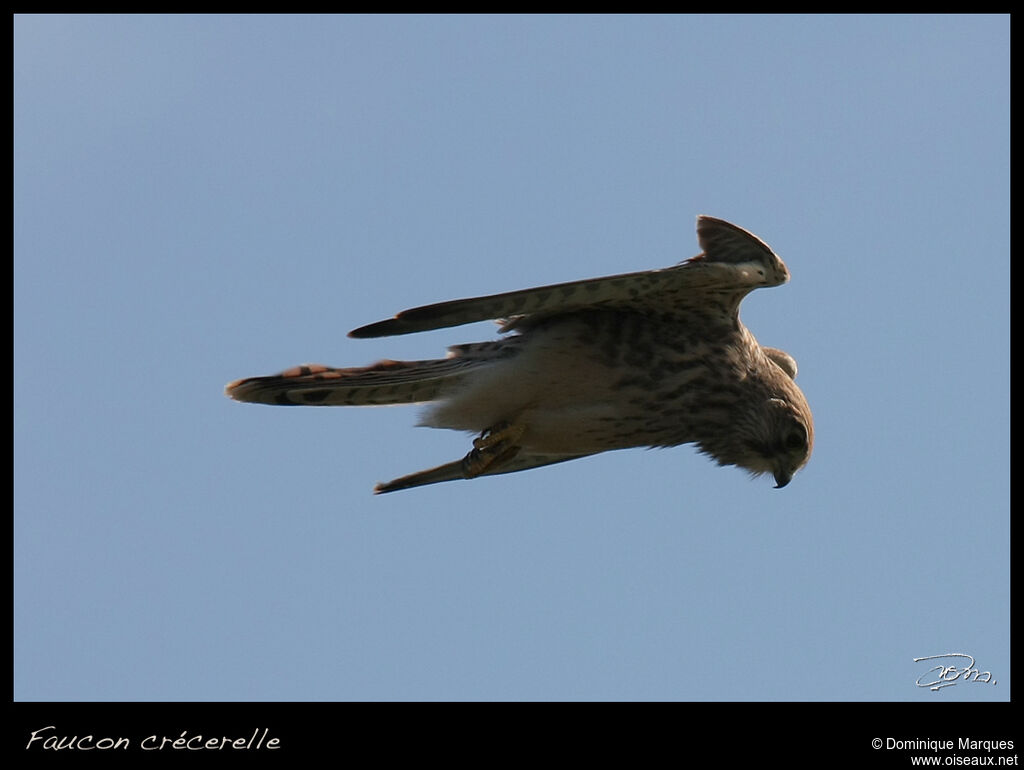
x=655, y=358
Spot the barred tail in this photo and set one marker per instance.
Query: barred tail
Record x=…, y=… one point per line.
x=386, y=382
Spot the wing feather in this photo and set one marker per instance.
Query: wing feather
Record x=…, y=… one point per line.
x=733, y=263
x=453, y=471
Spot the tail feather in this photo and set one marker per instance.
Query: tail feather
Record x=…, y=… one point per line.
x=386, y=382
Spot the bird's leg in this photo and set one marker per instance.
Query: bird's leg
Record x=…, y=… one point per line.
x=493, y=447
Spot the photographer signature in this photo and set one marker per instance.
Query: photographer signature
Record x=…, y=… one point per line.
x=948, y=675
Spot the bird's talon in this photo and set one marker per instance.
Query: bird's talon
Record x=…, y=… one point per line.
x=494, y=446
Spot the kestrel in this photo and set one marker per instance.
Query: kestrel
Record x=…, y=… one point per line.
x=655, y=359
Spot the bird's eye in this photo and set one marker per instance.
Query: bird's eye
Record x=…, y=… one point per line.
x=797, y=439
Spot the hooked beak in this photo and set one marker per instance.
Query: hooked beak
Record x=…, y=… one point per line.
x=782, y=478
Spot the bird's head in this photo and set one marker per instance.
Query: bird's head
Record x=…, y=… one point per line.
x=780, y=438
x=774, y=434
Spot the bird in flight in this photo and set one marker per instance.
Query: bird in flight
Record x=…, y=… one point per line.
x=656, y=358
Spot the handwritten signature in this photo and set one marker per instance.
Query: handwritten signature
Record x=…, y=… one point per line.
x=948, y=675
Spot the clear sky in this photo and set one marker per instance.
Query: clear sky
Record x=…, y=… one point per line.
x=199, y=199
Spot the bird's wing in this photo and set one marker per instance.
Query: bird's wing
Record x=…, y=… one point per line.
x=453, y=471
x=733, y=263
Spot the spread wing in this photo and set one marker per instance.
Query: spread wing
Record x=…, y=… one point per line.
x=733, y=263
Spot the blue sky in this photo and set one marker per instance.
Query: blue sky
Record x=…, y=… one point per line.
x=199, y=199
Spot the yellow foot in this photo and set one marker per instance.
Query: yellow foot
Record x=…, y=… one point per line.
x=495, y=446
